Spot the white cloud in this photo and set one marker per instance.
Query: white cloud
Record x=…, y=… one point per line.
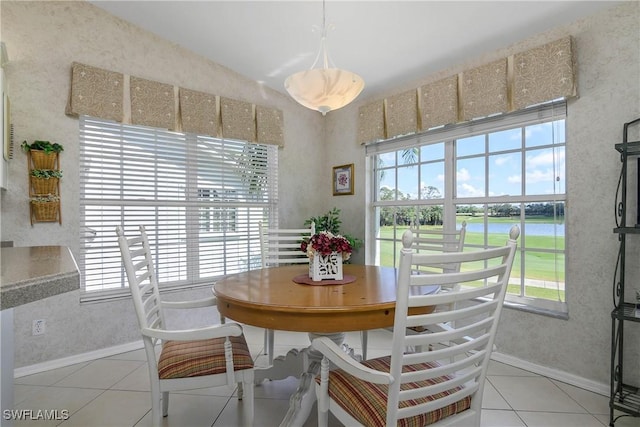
x=545, y=158
x=530, y=130
x=501, y=160
x=463, y=175
x=539, y=175
x=468, y=190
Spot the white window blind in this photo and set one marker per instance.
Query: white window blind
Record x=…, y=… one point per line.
x=200, y=199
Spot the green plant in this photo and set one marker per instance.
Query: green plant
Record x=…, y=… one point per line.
x=45, y=199
x=328, y=222
x=331, y=222
x=45, y=146
x=46, y=173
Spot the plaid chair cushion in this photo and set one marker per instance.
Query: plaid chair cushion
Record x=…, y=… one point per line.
x=181, y=359
x=367, y=402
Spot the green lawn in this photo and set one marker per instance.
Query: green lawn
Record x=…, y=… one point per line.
x=540, y=266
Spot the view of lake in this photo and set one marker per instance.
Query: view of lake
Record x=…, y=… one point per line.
x=532, y=229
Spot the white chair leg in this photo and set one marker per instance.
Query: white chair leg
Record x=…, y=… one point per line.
x=268, y=344
x=323, y=418
x=156, y=406
x=364, y=338
x=265, y=346
x=247, y=402
x=165, y=403
x=322, y=394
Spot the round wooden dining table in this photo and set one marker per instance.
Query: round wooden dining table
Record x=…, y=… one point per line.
x=271, y=299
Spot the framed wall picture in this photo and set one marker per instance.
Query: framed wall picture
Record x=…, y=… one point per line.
x=6, y=127
x=343, y=180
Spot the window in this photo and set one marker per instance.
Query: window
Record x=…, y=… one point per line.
x=215, y=218
x=491, y=173
x=200, y=199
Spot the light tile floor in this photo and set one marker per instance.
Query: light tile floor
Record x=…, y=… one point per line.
x=114, y=392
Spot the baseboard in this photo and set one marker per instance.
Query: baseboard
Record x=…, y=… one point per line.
x=78, y=358
x=552, y=373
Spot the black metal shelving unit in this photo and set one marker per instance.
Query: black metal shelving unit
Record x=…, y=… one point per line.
x=624, y=397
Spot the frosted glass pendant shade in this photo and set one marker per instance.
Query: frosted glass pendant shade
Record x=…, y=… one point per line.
x=324, y=89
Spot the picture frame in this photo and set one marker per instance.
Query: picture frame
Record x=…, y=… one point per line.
x=6, y=127
x=343, y=180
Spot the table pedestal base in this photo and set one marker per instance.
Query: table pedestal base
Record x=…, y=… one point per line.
x=304, y=364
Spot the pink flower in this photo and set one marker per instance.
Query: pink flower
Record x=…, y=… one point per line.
x=324, y=243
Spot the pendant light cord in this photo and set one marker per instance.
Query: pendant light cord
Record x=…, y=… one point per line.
x=323, y=43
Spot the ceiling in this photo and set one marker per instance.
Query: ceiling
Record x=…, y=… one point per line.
x=383, y=41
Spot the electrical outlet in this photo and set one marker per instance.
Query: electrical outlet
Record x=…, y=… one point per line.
x=38, y=327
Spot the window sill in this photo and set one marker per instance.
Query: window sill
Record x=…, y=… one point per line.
x=555, y=309
x=111, y=295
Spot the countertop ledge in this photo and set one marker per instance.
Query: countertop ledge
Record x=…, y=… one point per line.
x=33, y=273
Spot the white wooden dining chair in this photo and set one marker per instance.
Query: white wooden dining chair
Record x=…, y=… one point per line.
x=441, y=385
x=281, y=246
x=431, y=241
x=189, y=359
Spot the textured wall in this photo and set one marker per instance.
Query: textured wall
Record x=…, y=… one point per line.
x=43, y=39
x=608, y=57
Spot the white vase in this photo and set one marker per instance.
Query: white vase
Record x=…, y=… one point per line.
x=325, y=267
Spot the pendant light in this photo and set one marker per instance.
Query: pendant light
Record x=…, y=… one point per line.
x=326, y=88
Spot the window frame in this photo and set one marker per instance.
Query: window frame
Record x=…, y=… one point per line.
x=450, y=201
x=183, y=178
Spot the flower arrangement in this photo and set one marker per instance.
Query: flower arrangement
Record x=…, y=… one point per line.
x=331, y=222
x=324, y=243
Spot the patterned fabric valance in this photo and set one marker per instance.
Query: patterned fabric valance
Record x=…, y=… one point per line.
x=199, y=112
x=96, y=92
x=402, y=113
x=128, y=99
x=483, y=90
x=237, y=119
x=439, y=103
x=538, y=75
x=152, y=104
x=544, y=73
x=371, y=122
x=269, y=125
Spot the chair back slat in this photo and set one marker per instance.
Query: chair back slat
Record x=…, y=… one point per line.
x=281, y=246
x=188, y=358
x=452, y=363
x=456, y=365
x=467, y=346
x=435, y=405
x=155, y=323
x=450, y=334
x=457, y=381
x=139, y=268
x=447, y=316
x=438, y=241
x=281, y=260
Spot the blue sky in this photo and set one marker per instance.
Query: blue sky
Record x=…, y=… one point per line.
x=544, y=167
